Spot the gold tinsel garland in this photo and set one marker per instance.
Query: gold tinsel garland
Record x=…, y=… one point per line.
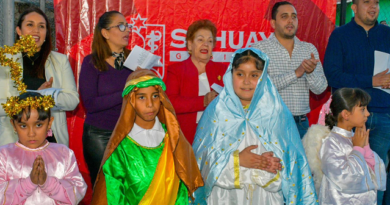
x=13, y=106
x=25, y=44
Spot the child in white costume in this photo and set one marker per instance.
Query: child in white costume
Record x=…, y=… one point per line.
x=247, y=145
x=348, y=170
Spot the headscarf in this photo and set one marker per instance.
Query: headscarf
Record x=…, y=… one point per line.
x=185, y=163
x=224, y=125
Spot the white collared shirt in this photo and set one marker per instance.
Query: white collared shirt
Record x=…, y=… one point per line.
x=148, y=138
x=204, y=88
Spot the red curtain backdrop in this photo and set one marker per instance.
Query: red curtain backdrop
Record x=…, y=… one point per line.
x=160, y=27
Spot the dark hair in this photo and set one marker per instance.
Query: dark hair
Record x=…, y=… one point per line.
x=201, y=24
x=345, y=99
x=276, y=6
x=42, y=113
x=248, y=56
x=355, y=1
x=100, y=48
x=39, y=67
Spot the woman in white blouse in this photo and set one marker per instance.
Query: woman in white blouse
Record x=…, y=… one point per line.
x=47, y=72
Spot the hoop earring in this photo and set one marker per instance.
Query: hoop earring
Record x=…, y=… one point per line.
x=190, y=52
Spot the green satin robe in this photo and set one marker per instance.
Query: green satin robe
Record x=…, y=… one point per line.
x=130, y=170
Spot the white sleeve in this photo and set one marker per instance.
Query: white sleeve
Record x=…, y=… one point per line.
x=234, y=176
x=317, y=80
x=379, y=175
x=52, y=92
x=268, y=181
x=348, y=173
x=2, y=112
x=67, y=97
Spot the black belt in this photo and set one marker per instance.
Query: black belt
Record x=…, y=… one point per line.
x=300, y=118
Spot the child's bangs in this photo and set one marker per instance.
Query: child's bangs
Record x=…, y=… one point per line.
x=362, y=98
x=42, y=114
x=248, y=56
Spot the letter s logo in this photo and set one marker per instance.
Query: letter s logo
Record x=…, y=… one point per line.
x=179, y=35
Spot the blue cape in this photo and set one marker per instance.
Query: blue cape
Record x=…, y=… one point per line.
x=223, y=127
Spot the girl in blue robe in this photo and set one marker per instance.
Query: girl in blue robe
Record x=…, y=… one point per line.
x=251, y=118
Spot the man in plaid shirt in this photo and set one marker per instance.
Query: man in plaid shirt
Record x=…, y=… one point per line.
x=294, y=66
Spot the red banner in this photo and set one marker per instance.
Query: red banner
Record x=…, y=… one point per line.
x=160, y=27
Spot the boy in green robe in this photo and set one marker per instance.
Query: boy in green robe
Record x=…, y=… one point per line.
x=147, y=160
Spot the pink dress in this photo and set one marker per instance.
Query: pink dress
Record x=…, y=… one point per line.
x=64, y=183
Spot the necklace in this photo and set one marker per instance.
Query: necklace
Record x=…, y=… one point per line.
x=32, y=61
x=33, y=58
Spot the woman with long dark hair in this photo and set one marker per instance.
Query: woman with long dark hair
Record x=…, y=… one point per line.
x=47, y=72
x=102, y=79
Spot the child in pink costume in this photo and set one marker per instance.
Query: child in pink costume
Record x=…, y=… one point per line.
x=32, y=170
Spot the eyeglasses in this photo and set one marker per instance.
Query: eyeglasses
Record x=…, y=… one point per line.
x=121, y=27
